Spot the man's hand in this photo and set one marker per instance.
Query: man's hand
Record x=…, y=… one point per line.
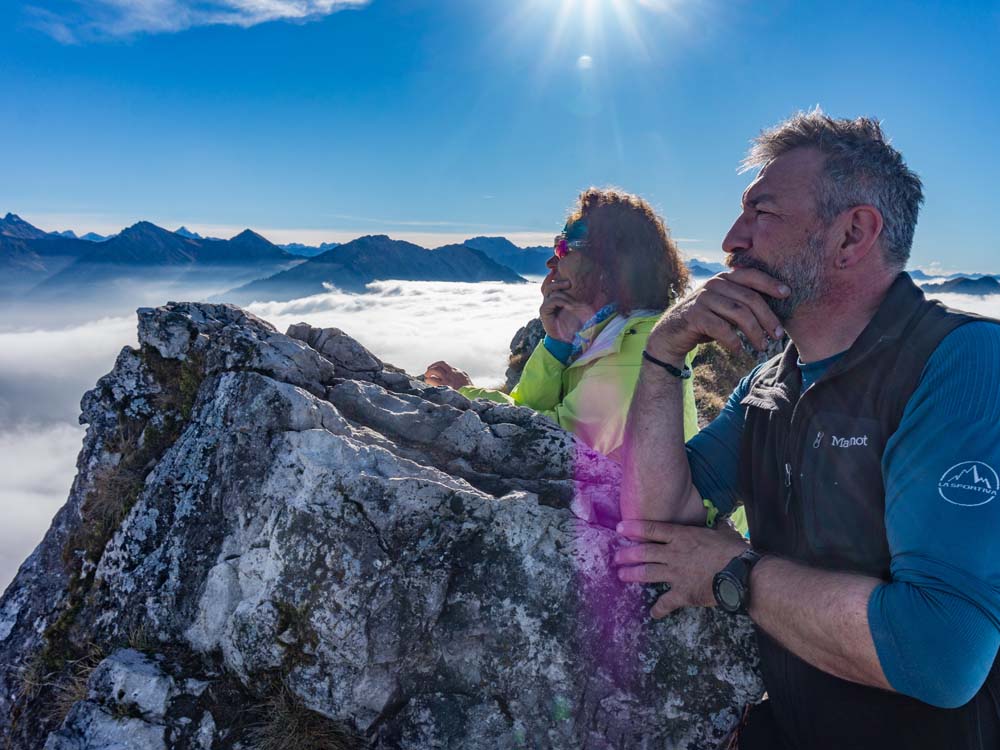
x=686, y=557
x=562, y=314
x=729, y=302
x=441, y=373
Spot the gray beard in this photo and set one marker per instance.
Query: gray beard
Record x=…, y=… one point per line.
x=802, y=273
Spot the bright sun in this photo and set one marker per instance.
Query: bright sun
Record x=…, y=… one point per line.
x=587, y=22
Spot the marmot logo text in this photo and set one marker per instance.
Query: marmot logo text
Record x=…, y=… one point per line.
x=848, y=442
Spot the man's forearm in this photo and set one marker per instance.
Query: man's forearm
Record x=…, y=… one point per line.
x=657, y=479
x=820, y=616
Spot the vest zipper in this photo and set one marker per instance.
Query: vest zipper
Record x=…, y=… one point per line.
x=788, y=486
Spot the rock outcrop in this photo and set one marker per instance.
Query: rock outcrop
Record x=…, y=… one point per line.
x=279, y=541
x=521, y=347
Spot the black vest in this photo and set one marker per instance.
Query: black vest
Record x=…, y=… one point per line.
x=811, y=476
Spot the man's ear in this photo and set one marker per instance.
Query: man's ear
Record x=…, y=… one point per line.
x=861, y=228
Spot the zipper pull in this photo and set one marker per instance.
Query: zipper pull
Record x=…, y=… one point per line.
x=819, y=438
x=788, y=487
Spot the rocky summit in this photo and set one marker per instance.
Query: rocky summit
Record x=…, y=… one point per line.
x=279, y=541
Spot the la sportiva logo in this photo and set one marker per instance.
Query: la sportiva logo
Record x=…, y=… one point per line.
x=969, y=483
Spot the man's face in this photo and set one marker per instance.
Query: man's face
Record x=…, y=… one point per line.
x=780, y=232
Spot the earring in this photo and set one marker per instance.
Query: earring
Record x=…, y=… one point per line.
x=842, y=263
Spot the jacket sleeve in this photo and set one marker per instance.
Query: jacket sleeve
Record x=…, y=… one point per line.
x=936, y=623
x=539, y=388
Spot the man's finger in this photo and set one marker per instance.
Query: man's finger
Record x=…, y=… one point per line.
x=646, y=573
x=665, y=605
x=755, y=279
x=751, y=299
x=736, y=313
x=640, y=553
x=652, y=531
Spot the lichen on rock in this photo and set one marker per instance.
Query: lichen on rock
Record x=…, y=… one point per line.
x=291, y=523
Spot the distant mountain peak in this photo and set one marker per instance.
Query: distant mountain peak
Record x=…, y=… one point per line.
x=249, y=234
x=183, y=231
x=13, y=225
x=143, y=229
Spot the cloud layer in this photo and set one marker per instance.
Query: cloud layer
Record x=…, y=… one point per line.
x=413, y=323
x=97, y=19
x=43, y=374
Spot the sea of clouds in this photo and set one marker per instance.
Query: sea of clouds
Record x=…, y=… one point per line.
x=44, y=372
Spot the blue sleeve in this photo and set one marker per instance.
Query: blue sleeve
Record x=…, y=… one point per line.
x=714, y=452
x=561, y=350
x=936, y=624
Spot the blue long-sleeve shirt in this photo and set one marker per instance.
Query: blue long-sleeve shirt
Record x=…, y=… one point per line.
x=936, y=623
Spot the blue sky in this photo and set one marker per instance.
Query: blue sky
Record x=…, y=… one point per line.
x=431, y=119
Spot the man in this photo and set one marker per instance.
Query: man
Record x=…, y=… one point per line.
x=866, y=456
x=613, y=271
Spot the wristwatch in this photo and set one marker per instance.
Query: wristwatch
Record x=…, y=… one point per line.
x=731, y=585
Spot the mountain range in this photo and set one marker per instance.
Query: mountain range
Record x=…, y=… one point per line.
x=982, y=285
x=524, y=260
x=146, y=264
x=355, y=264
x=308, y=251
x=43, y=267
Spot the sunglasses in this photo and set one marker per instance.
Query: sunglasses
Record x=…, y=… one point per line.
x=564, y=247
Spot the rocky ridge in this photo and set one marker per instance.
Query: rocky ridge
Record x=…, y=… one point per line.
x=279, y=538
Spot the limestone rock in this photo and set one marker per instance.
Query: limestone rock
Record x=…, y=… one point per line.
x=270, y=528
x=521, y=347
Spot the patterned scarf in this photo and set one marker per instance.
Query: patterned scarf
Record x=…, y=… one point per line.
x=579, y=341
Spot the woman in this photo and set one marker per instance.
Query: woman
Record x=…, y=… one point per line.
x=613, y=271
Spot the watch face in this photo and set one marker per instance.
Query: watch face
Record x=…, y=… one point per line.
x=729, y=593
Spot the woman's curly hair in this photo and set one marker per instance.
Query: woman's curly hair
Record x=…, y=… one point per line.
x=630, y=243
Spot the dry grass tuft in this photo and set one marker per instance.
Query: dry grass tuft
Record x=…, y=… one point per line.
x=71, y=687
x=35, y=674
x=716, y=373
x=288, y=725
x=139, y=640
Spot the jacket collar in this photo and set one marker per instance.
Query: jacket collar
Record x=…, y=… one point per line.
x=607, y=337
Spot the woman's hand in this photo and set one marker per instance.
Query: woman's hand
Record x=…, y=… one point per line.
x=441, y=373
x=562, y=315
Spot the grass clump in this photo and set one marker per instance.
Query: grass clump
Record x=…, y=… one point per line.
x=286, y=724
x=716, y=374
x=71, y=686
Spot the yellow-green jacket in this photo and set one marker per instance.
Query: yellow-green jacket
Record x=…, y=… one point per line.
x=590, y=397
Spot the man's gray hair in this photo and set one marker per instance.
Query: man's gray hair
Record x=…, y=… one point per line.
x=861, y=168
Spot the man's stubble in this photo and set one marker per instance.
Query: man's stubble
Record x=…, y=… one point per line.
x=801, y=271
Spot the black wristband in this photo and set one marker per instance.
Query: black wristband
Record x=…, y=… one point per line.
x=683, y=374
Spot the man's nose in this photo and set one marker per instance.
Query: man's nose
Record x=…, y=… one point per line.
x=738, y=237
